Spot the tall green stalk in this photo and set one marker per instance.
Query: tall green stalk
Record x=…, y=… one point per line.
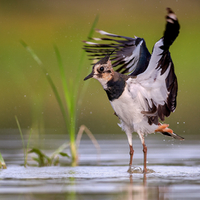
x=71, y=92
x=70, y=101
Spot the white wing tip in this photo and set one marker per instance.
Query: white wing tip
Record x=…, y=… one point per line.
x=103, y=32
x=171, y=16
x=91, y=43
x=97, y=39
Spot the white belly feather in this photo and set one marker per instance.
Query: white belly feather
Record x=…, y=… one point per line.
x=128, y=109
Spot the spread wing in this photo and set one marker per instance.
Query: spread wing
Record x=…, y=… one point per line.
x=130, y=55
x=154, y=73
x=158, y=83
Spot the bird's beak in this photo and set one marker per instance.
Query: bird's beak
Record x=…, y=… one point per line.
x=89, y=76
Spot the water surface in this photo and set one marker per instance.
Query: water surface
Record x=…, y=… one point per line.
x=175, y=164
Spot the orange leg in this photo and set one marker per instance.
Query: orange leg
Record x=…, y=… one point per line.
x=131, y=155
x=145, y=158
x=131, y=158
x=145, y=153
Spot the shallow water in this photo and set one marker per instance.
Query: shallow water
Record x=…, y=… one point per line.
x=176, y=167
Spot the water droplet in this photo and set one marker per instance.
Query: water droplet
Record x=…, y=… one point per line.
x=24, y=95
x=177, y=122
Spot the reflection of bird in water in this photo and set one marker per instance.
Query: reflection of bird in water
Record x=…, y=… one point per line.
x=149, y=92
x=143, y=191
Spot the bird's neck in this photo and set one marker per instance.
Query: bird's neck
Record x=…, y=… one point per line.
x=115, y=86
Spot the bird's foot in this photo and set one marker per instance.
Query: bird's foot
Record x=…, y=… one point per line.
x=145, y=171
x=164, y=128
x=139, y=170
x=148, y=171
x=132, y=170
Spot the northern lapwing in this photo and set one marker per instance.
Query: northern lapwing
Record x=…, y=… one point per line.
x=148, y=92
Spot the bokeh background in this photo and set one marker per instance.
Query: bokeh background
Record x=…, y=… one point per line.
x=25, y=91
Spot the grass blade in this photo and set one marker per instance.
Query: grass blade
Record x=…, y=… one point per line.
x=63, y=78
x=60, y=149
x=35, y=57
x=93, y=27
x=42, y=159
x=26, y=155
x=49, y=79
x=71, y=103
x=64, y=154
x=2, y=162
x=90, y=135
x=20, y=131
x=53, y=87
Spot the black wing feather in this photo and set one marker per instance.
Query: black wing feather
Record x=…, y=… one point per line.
x=130, y=54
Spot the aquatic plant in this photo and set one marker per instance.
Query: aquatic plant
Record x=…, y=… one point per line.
x=70, y=90
x=44, y=160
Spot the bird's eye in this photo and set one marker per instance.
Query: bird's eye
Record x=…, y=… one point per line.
x=101, y=69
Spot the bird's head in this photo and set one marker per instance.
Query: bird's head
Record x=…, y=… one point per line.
x=102, y=71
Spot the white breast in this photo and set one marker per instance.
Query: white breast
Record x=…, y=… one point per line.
x=128, y=109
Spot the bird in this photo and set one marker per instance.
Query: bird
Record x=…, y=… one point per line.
x=143, y=88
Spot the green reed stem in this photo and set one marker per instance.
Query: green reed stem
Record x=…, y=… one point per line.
x=71, y=93
x=25, y=149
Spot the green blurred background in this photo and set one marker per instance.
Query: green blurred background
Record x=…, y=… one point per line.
x=25, y=91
